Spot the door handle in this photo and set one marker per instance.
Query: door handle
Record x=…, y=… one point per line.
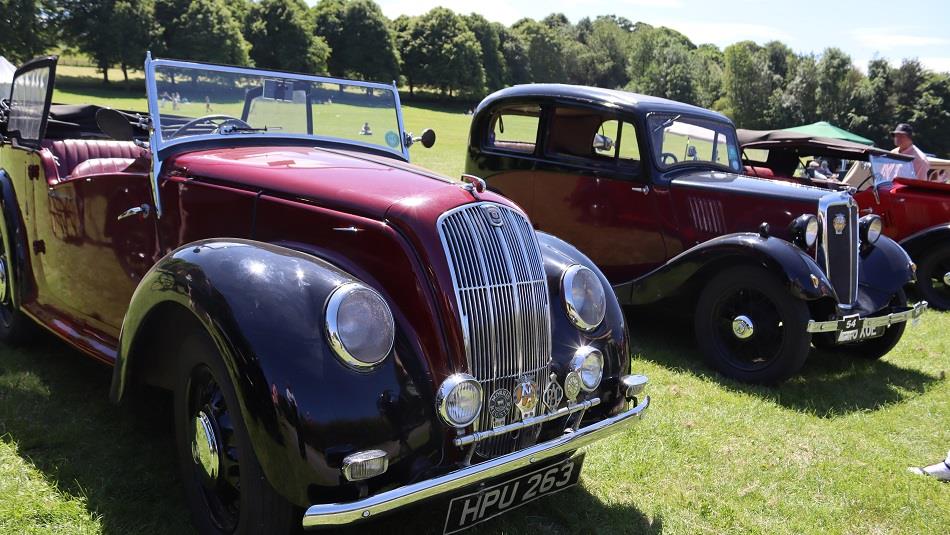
x=644, y=190
x=144, y=210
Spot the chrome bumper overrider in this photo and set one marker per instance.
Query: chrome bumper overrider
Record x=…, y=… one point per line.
x=337, y=514
x=911, y=314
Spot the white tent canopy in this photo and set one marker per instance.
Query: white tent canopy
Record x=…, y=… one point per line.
x=6, y=76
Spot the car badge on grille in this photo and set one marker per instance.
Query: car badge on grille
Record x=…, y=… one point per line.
x=499, y=405
x=526, y=396
x=494, y=215
x=572, y=386
x=840, y=222
x=553, y=394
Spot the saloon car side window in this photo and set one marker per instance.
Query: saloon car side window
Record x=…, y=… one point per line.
x=578, y=134
x=515, y=129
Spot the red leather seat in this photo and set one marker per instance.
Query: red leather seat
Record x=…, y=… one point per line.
x=70, y=153
x=101, y=166
x=761, y=172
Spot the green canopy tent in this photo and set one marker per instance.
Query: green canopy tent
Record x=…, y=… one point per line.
x=826, y=129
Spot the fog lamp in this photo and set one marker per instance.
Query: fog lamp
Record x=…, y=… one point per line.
x=633, y=385
x=588, y=363
x=871, y=227
x=365, y=464
x=459, y=400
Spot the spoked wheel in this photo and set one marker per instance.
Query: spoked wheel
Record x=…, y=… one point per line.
x=15, y=327
x=750, y=328
x=224, y=483
x=933, y=278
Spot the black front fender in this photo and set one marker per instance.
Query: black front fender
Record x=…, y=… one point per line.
x=263, y=306
x=884, y=269
x=695, y=265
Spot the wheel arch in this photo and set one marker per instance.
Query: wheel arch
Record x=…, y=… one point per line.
x=917, y=243
x=15, y=238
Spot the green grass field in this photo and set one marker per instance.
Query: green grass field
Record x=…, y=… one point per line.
x=825, y=452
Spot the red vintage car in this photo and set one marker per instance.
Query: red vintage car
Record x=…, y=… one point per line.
x=653, y=191
x=915, y=213
x=343, y=333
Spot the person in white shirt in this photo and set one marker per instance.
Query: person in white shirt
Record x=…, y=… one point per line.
x=903, y=136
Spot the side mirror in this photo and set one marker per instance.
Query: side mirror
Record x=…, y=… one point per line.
x=427, y=138
x=603, y=143
x=115, y=124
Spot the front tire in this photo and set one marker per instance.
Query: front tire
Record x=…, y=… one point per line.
x=750, y=328
x=15, y=327
x=225, y=486
x=933, y=278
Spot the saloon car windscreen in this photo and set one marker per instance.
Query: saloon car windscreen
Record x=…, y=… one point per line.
x=679, y=139
x=204, y=100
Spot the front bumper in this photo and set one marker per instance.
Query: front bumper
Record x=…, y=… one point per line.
x=910, y=314
x=337, y=514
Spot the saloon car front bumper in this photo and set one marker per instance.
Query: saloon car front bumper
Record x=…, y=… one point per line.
x=338, y=514
x=856, y=322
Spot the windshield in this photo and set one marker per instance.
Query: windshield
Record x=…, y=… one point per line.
x=679, y=139
x=887, y=168
x=191, y=101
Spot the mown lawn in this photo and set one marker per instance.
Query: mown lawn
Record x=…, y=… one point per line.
x=824, y=453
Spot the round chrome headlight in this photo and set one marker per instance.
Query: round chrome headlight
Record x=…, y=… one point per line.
x=588, y=363
x=805, y=229
x=360, y=326
x=871, y=227
x=584, y=297
x=459, y=400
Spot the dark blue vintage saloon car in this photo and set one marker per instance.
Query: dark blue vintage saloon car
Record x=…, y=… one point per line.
x=344, y=334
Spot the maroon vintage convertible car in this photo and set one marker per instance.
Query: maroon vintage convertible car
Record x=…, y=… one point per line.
x=344, y=334
x=652, y=191
x=915, y=213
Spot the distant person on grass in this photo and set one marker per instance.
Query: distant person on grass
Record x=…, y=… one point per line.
x=903, y=136
x=939, y=470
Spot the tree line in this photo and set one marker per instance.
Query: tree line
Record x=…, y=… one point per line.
x=467, y=56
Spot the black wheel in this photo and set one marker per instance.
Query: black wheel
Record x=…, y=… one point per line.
x=224, y=483
x=933, y=277
x=876, y=348
x=749, y=328
x=15, y=327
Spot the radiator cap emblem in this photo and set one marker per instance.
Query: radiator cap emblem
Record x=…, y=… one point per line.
x=840, y=222
x=494, y=215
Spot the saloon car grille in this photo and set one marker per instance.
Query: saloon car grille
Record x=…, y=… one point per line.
x=502, y=295
x=838, y=252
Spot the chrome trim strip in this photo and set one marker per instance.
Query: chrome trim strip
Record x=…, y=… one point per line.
x=875, y=321
x=478, y=436
x=338, y=514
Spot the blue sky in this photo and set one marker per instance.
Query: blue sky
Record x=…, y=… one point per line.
x=893, y=30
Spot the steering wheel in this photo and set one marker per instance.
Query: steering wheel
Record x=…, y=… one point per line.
x=209, y=120
x=668, y=156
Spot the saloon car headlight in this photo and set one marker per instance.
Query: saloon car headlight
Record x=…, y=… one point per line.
x=588, y=363
x=871, y=227
x=584, y=297
x=360, y=325
x=459, y=400
x=805, y=230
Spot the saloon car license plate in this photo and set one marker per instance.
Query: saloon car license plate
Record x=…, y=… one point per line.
x=466, y=511
x=852, y=329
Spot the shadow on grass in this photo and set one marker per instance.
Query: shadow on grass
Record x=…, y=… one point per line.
x=54, y=405
x=830, y=384
x=121, y=461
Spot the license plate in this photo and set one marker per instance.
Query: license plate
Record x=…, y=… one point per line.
x=852, y=329
x=466, y=511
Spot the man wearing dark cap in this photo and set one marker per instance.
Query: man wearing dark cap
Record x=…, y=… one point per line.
x=903, y=136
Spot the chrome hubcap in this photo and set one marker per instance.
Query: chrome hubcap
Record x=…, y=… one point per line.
x=946, y=279
x=204, y=446
x=742, y=327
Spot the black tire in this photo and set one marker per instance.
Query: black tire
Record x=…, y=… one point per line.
x=876, y=348
x=779, y=343
x=931, y=277
x=239, y=500
x=15, y=327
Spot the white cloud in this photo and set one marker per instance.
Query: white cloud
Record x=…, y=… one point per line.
x=940, y=64
x=892, y=38
x=725, y=33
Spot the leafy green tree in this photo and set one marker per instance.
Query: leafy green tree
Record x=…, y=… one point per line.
x=493, y=59
x=27, y=28
x=206, y=31
x=362, y=42
x=794, y=103
x=515, y=52
x=837, y=80
x=661, y=64
x=136, y=29
x=932, y=114
x=281, y=37
x=87, y=24
x=873, y=110
x=707, y=67
x=545, y=50
x=746, y=81
x=441, y=52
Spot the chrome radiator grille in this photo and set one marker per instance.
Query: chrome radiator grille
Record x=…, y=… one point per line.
x=502, y=296
x=838, y=251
